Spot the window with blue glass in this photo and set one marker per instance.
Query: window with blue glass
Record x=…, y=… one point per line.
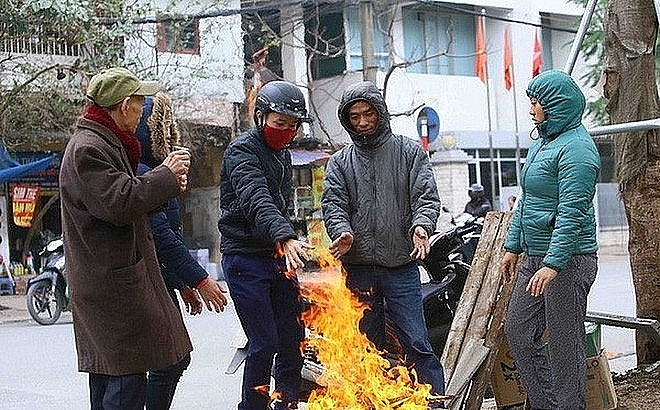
x=353, y=39
x=443, y=42
x=324, y=36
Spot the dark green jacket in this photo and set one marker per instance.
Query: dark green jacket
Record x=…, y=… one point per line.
x=555, y=215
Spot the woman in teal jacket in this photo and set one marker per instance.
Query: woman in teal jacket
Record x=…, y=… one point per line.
x=554, y=225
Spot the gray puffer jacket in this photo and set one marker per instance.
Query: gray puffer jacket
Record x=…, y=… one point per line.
x=379, y=188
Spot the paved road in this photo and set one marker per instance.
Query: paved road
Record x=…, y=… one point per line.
x=38, y=363
x=38, y=366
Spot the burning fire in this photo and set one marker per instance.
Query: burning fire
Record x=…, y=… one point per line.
x=355, y=376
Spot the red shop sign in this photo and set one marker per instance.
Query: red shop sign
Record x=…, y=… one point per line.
x=24, y=203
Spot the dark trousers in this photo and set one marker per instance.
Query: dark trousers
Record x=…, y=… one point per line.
x=268, y=306
x=554, y=376
x=117, y=392
x=161, y=385
x=396, y=293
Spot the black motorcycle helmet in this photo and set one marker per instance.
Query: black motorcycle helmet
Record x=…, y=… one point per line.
x=282, y=97
x=476, y=191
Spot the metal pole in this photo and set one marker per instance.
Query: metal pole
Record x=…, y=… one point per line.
x=367, y=41
x=625, y=127
x=515, y=119
x=579, y=37
x=490, y=120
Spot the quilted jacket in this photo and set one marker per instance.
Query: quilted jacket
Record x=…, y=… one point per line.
x=555, y=215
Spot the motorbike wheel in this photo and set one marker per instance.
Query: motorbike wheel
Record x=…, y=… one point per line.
x=44, y=306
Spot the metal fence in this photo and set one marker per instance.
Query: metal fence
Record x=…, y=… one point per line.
x=37, y=43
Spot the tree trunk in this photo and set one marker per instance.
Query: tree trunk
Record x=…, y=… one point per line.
x=630, y=34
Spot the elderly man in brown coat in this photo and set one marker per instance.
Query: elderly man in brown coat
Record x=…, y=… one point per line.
x=124, y=321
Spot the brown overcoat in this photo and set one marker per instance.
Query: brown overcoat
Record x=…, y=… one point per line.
x=124, y=320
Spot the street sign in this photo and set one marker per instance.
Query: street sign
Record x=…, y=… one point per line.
x=428, y=124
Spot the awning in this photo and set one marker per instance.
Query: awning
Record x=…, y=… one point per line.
x=302, y=157
x=12, y=171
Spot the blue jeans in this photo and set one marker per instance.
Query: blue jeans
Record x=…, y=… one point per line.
x=397, y=294
x=161, y=385
x=117, y=392
x=268, y=306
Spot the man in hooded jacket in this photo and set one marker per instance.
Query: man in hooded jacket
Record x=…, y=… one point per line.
x=380, y=204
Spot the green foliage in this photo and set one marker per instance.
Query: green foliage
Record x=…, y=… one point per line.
x=39, y=120
x=41, y=93
x=596, y=111
x=593, y=47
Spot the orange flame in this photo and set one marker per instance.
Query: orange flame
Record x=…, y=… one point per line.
x=265, y=390
x=355, y=376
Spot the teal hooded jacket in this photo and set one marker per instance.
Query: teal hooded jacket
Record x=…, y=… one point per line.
x=555, y=215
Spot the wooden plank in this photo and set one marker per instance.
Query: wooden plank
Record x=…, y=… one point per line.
x=493, y=340
x=471, y=358
x=499, y=313
x=458, y=401
x=485, y=304
x=471, y=290
x=485, y=321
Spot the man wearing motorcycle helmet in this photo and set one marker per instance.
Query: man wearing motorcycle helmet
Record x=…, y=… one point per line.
x=260, y=248
x=479, y=205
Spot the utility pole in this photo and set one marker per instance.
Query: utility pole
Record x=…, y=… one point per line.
x=367, y=36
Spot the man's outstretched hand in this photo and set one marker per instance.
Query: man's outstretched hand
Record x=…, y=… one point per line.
x=191, y=300
x=294, y=253
x=420, y=243
x=341, y=245
x=212, y=294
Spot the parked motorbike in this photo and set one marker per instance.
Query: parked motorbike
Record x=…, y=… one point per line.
x=447, y=267
x=470, y=239
x=47, y=295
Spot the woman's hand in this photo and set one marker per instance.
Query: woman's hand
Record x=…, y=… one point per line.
x=541, y=280
x=508, y=265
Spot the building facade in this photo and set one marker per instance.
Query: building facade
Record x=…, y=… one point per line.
x=424, y=56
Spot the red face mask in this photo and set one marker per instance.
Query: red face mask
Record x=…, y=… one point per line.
x=277, y=139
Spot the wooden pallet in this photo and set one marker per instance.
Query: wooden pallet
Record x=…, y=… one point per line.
x=477, y=330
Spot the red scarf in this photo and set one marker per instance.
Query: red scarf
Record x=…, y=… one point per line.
x=128, y=140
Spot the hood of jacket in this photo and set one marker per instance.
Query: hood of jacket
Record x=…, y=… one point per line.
x=562, y=101
x=368, y=92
